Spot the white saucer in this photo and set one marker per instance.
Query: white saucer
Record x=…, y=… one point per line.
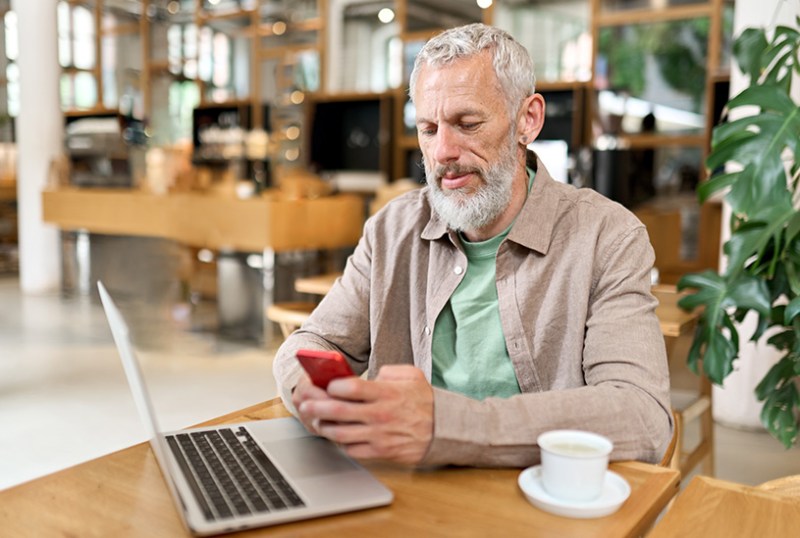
x=615, y=491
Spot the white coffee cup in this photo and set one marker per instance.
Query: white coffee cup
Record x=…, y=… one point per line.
x=574, y=464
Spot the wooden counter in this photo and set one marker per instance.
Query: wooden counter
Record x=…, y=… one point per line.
x=210, y=221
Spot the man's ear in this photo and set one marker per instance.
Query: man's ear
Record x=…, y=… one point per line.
x=530, y=119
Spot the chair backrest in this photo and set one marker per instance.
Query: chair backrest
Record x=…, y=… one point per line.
x=788, y=486
x=669, y=458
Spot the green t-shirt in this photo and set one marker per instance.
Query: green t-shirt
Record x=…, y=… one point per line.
x=469, y=349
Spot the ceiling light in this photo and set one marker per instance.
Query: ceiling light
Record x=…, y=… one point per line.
x=386, y=15
x=279, y=28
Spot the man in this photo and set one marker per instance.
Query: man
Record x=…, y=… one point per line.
x=493, y=305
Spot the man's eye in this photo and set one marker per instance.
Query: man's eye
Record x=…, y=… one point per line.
x=469, y=126
x=427, y=131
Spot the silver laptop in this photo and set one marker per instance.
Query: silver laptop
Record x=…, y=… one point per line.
x=252, y=474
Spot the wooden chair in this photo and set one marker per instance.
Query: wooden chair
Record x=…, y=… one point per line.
x=670, y=457
x=290, y=315
x=691, y=394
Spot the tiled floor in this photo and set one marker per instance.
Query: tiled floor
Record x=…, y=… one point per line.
x=63, y=397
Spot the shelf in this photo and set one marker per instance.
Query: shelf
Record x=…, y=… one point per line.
x=72, y=70
x=649, y=141
x=96, y=111
x=639, y=16
x=221, y=162
x=205, y=16
x=558, y=85
x=308, y=25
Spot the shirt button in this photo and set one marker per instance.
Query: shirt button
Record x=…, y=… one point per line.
x=458, y=270
x=427, y=330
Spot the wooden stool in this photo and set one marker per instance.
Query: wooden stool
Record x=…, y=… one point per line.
x=290, y=316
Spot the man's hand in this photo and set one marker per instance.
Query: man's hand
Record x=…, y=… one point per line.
x=306, y=390
x=390, y=418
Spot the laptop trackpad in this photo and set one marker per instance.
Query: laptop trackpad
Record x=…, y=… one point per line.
x=309, y=456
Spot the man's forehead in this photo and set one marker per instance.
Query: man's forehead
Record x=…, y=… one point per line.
x=465, y=87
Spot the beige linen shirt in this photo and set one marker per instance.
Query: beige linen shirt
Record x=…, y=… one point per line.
x=573, y=286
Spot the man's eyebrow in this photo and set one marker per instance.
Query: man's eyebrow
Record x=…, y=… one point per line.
x=455, y=115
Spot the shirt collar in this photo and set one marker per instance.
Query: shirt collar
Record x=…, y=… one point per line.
x=534, y=225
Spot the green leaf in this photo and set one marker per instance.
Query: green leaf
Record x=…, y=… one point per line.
x=744, y=243
x=749, y=292
x=741, y=147
x=779, y=75
x=706, y=188
x=790, y=33
x=779, y=414
x=783, y=340
x=719, y=351
x=792, y=310
x=733, y=332
x=719, y=356
x=793, y=227
x=710, y=286
x=748, y=48
x=793, y=277
x=766, y=97
x=752, y=238
x=780, y=373
x=696, y=351
x=761, y=328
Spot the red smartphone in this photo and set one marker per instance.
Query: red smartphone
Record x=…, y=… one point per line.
x=323, y=366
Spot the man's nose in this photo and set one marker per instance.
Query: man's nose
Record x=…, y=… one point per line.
x=447, y=145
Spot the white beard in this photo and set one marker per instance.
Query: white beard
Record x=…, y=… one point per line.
x=462, y=211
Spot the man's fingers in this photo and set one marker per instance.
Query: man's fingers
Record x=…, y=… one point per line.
x=345, y=434
x=332, y=410
x=359, y=390
x=354, y=389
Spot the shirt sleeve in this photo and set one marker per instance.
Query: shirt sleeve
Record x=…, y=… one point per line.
x=340, y=323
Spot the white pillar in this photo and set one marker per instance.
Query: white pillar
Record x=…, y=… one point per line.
x=735, y=402
x=40, y=127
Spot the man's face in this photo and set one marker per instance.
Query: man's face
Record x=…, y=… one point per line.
x=468, y=141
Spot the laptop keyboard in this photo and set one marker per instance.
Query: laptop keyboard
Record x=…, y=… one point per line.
x=230, y=475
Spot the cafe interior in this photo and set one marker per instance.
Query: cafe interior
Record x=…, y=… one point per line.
x=213, y=162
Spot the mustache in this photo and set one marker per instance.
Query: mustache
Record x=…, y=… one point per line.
x=456, y=169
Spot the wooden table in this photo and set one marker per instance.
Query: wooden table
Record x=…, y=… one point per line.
x=674, y=320
x=123, y=494
x=269, y=221
x=709, y=507
x=316, y=285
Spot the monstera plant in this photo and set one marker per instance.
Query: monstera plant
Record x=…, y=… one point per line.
x=756, y=160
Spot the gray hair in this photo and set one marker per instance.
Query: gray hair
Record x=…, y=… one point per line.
x=511, y=61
